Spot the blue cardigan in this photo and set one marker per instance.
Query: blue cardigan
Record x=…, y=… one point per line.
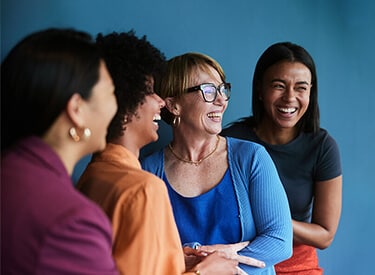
x=263, y=206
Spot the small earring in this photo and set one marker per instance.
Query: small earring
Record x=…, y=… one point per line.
x=73, y=134
x=86, y=133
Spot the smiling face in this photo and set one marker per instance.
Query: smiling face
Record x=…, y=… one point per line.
x=285, y=94
x=144, y=123
x=101, y=108
x=198, y=115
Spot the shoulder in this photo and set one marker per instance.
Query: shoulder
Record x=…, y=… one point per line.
x=137, y=185
x=74, y=236
x=153, y=156
x=320, y=139
x=240, y=146
x=154, y=162
x=245, y=154
x=239, y=129
x=83, y=211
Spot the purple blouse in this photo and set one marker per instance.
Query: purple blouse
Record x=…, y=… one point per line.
x=47, y=227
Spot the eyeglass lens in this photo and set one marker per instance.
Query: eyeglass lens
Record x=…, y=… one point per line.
x=209, y=92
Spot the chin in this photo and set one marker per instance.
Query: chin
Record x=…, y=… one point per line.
x=155, y=138
x=102, y=146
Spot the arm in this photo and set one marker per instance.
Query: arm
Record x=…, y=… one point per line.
x=270, y=229
x=211, y=263
x=268, y=223
x=325, y=217
x=231, y=252
x=146, y=237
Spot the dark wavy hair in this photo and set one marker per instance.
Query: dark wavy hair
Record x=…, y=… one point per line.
x=39, y=76
x=286, y=51
x=130, y=60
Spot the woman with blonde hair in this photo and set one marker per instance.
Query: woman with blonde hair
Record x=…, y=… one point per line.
x=223, y=190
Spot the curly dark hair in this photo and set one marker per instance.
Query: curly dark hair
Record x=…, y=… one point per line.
x=130, y=60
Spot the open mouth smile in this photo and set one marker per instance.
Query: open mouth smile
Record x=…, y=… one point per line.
x=290, y=110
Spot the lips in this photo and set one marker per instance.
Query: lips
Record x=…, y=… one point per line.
x=156, y=118
x=287, y=110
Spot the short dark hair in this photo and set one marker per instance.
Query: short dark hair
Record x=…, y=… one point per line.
x=39, y=76
x=130, y=60
x=287, y=51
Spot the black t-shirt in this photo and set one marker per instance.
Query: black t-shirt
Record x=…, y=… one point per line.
x=301, y=163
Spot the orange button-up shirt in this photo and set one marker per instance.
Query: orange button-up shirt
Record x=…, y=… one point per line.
x=146, y=240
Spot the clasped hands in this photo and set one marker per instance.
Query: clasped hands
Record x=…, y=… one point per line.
x=230, y=251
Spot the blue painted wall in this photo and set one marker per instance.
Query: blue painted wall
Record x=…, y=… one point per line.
x=339, y=34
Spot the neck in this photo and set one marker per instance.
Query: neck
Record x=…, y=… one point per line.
x=128, y=143
x=201, y=154
x=275, y=136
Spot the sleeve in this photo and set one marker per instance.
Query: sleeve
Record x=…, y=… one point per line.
x=79, y=243
x=270, y=209
x=329, y=161
x=147, y=240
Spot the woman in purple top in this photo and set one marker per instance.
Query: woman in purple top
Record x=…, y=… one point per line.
x=57, y=101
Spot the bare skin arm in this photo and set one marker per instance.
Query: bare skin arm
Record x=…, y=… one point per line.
x=215, y=263
x=231, y=252
x=325, y=217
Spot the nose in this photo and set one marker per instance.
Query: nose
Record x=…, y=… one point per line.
x=289, y=93
x=160, y=101
x=220, y=99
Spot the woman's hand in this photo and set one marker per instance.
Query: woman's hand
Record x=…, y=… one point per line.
x=193, y=257
x=231, y=252
x=217, y=263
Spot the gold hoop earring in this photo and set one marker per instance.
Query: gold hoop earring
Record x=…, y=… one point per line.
x=176, y=121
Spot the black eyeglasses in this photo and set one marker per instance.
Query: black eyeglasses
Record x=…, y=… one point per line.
x=209, y=91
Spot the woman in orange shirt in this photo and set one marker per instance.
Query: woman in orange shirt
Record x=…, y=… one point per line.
x=146, y=240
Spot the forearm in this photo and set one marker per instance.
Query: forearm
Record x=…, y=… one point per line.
x=311, y=234
x=325, y=216
x=270, y=249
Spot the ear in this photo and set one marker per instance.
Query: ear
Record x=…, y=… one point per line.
x=74, y=110
x=172, y=105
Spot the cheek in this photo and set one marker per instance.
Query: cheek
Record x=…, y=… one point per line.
x=111, y=108
x=305, y=100
x=267, y=102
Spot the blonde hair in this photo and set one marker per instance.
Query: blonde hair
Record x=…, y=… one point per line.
x=181, y=71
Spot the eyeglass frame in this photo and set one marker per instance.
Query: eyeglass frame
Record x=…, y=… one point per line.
x=200, y=88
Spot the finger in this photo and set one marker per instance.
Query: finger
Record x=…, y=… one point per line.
x=239, y=246
x=250, y=261
x=188, y=250
x=209, y=248
x=240, y=271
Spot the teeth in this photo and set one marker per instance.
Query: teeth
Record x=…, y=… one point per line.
x=287, y=110
x=157, y=117
x=214, y=115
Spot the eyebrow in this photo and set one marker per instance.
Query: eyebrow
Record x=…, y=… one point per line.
x=283, y=81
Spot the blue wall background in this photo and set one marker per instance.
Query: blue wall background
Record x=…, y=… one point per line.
x=340, y=35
